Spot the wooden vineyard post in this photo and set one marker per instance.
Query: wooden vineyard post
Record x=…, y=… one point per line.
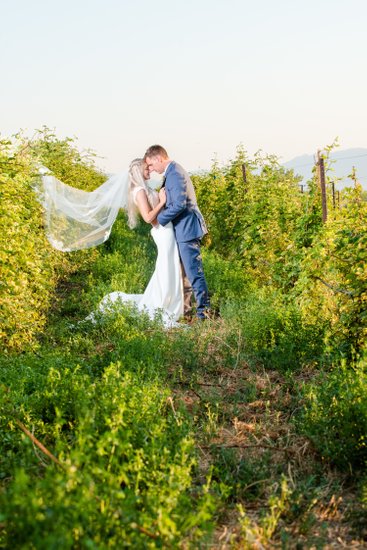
x=244, y=176
x=321, y=173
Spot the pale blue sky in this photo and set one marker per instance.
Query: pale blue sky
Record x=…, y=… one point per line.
x=199, y=77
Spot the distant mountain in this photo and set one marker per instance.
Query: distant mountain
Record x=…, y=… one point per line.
x=342, y=167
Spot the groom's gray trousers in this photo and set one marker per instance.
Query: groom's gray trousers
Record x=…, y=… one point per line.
x=187, y=292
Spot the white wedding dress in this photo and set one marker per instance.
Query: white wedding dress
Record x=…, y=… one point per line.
x=164, y=293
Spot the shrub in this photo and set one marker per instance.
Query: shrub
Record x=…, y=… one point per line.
x=126, y=463
x=273, y=330
x=30, y=268
x=227, y=279
x=26, y=262
x=335, y=415
x=333, y=282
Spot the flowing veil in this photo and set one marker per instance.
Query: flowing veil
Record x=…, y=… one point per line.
x=77, y=219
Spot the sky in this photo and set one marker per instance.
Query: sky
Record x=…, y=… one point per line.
x=199, y=77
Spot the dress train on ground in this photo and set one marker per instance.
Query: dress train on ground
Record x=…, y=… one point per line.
x=164, y=293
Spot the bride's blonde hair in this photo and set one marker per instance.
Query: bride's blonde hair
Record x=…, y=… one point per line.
x=136, y=180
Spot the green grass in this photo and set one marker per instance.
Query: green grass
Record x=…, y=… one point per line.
x=165, y=439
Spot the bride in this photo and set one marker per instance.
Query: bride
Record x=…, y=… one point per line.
x=164, y=293
x=77, y=219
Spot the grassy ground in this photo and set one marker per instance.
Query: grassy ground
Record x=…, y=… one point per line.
x=276, y=492
x=243, y=475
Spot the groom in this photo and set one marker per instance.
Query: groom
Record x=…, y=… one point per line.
x=182, y=210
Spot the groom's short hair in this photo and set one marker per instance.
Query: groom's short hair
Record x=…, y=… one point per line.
x=155, y=150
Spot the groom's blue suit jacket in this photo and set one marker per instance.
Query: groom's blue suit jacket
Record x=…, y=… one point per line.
x=181, y=208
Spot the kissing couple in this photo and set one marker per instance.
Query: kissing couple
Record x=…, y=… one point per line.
x=177, y=229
